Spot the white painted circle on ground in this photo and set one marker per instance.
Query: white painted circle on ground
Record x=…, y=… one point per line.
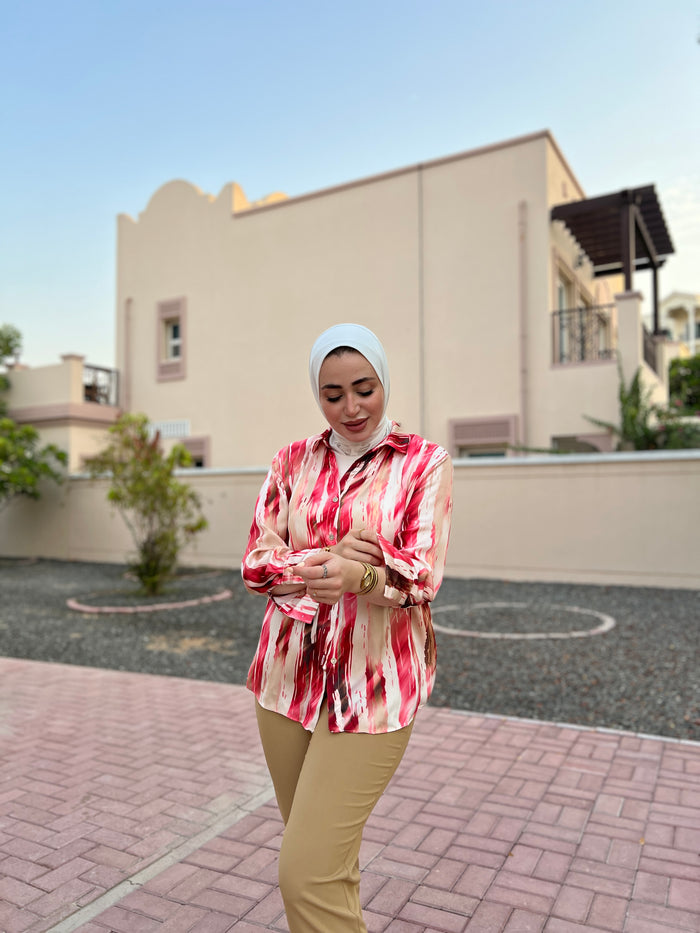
x=605, y=622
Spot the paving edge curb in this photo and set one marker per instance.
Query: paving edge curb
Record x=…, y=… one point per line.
x=229, y=818
x=152, y=607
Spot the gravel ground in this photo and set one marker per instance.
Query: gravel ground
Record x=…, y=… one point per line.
x=642, y=675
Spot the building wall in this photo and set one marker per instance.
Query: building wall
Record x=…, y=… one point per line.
x=52, y=399
x=618, y=519
x=449, y=262
x=278, y=277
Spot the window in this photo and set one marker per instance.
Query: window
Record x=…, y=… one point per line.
x=605, y=345
x=564, y=292
x=199, y=450
x=564, y=305
x=482, y=437
x=171, y=339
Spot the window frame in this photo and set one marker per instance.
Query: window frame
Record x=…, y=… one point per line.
x=199, y=449
x=171, y=313
x=493, y=435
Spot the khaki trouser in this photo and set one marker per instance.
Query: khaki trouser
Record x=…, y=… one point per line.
x=326, y=785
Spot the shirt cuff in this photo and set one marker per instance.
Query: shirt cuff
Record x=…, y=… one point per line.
x=283, y=568
x=402, y=574
x=302, y=608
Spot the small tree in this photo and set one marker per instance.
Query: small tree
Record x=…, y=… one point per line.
x=684, y=384
x=161, y=512
x=10, y=342
x=10, y=346
x=24, y=463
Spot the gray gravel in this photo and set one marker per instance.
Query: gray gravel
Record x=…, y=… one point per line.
x=642, y=675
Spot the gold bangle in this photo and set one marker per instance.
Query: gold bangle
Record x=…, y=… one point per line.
x=370, y=578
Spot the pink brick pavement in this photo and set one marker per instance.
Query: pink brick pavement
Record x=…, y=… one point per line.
x=133, y=803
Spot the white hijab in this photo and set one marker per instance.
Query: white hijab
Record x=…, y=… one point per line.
x=365, y=342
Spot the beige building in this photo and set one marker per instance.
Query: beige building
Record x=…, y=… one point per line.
x=71, y=403
x=500, y=325
x=680, y=318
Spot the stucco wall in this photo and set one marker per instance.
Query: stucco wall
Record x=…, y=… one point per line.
x=622, y=519
x=449, y=262
x=52, y=399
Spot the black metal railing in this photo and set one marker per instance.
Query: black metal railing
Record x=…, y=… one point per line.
x=100, y=385
x=649, y=349
x=583, y=334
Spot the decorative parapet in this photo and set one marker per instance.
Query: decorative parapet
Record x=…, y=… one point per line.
x=178, y=195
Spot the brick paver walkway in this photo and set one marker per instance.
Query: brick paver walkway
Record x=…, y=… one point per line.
x=133, y=803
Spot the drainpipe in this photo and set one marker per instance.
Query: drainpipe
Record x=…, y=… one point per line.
x=522, y=322
x=126, y=375
x=422, y=427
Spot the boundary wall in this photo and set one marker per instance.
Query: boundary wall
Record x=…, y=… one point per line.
x=630, y=519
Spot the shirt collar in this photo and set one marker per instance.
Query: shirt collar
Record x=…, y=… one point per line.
x=395, y=439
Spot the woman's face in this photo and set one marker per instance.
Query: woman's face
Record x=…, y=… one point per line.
x=352, y=397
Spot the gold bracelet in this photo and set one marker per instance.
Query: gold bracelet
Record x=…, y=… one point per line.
x=370, y=578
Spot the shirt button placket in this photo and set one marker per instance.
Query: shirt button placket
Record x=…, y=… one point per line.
x=332, y=533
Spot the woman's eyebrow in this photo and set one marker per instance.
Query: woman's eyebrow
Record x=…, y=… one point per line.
x=357, y=382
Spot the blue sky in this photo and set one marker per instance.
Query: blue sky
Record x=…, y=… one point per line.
x=105, y=101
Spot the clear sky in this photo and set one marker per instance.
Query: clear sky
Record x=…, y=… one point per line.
x=104, y=101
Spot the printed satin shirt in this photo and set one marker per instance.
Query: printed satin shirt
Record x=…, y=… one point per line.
x=375, y=665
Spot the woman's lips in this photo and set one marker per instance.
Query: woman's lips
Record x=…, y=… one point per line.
x=356, y=427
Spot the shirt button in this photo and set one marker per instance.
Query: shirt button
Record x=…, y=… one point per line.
x=335, y=498
x=334, y=660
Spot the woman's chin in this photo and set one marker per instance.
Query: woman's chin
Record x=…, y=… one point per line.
x=360, y=434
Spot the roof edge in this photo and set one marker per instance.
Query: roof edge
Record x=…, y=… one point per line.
x=416, y=167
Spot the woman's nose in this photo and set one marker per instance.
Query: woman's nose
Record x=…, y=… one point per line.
x=352, y=404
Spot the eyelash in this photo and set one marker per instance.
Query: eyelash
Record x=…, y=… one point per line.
x=337, y=398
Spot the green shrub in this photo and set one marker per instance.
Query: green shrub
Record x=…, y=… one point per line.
x=645, y=426
x=162, y=513
x=684, y=384
x=24, y=463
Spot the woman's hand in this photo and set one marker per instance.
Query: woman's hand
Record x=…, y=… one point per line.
x=328, y=576
x=362, y=545
x=287, y=589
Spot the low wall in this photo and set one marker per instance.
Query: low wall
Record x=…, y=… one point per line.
x=626, y=519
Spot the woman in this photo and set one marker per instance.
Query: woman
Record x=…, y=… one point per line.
x=348, y=542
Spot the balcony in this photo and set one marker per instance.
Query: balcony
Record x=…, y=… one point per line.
x=649, y=345
x=100, y=385
x=583, y=335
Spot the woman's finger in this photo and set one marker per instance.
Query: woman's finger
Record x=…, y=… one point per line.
x=315, y=567
x=316, y=558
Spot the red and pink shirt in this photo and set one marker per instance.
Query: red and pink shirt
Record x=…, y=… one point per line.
x=375, y=665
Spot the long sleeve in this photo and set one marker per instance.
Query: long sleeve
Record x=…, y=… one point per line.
x=415, y=564
x=269, y=560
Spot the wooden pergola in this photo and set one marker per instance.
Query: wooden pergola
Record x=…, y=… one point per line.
x=621, y=233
